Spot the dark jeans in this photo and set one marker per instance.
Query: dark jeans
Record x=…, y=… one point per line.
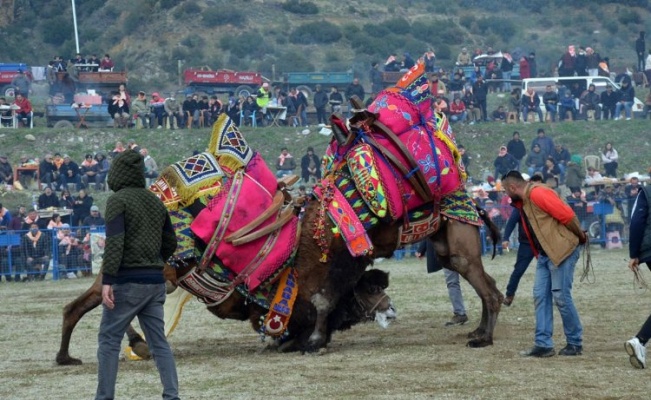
x=608, y=112
x=321, y=115
x=525, y=255
x=611, y=169
x=64, y=180
x=145, y=302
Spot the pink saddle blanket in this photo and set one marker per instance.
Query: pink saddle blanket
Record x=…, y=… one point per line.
x=259, y=259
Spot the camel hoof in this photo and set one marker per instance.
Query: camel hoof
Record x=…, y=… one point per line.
x=476, y=343
x=67, y=360
x=139, y=347
x=476, y=334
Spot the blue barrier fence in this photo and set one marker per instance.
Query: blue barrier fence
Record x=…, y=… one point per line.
x=63, y=253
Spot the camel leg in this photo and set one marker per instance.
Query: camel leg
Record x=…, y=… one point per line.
x=74, y=311
x=458, y=247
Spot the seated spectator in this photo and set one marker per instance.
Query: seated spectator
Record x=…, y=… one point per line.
x=391, y=64
x=550, y=100
x=132, y=145
x=24, y=111
x=124, y=94
x=36, y=247
x=310, y=166
x=94, y=63
x=561, y=158
x=204, y=110
x=48, y=172
x=69, y=173
x=174, y=112
x=191, y=110
x=95, y=219
x=70, y=251
x=119, y=148
x=589, y=101
x=647, y=104
x=5, y=218
x=249, y=110
x=355, y=89
x=550, y=170
x=81, y=208
x=102, y=170
x=456, y=85
x=285, y=164
x=457, y=110
x=626, y=97
x=504, y=162
x=6, y=171
x=593, y=176
x=407, y=62
x=48, y=199
x=106, y=64
x=614, y=220
x=216, y=108
x=88, y=170
x=515, y=103
x=577, y=200
x=567, y=105
x=464, y=57
x=140, y=109
x=499, y=115
x=66, y=201
x=531, y=103
x=118, y=109
x=335, y=100
x=157, y=111
x=535, y=160
x=56, y=222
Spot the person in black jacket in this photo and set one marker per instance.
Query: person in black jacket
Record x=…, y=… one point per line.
x=639, y=248
x=480, y=92
x=36, y=247
x=640, y=48
x=504, y=162
x=320, y=104
x=310, y=166
x=69, y=173
x=609, y=100
x=81, y=207
x=48, y=199
x=516, y=148
x=524, y=257
x=625, y=100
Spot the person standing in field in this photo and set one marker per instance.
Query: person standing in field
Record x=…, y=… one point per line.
x=639, y=248
x=139, y=239
x=554, y=234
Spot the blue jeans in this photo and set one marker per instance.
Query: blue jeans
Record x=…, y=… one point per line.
x=146, y=302
x=525, y=255
x=627, y=105
x=552, y=111
x=554, y=283
x=526, y=110
x=454, y=291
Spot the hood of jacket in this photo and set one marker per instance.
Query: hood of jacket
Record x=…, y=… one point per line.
x=127, y=170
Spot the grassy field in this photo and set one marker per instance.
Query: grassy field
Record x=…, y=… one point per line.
x=415, y=358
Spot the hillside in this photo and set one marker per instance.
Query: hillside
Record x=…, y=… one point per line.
x=148, y=37
x=630, y=138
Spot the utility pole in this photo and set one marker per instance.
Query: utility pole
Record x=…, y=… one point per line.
x=74, y=20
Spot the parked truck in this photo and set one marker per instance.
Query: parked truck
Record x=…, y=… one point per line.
x=211, y=82
x=8, y=72
x=306, y=81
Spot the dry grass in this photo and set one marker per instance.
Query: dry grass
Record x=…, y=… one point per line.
x=416, y=358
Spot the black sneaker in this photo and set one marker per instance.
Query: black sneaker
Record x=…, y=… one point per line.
x=571, y=350
x=540, y=352
x=457, y=320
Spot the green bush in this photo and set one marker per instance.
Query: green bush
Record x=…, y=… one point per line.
x=188, y=8
x=398, y=26
x=377, y=31
x=316, y=33
x=223, y=16
x=502, y=27
x=248, y=43
x=627, y=16
x=167, y=4
x=132, y=22
x=57, y=30
x=611, y=26
x=301, y=8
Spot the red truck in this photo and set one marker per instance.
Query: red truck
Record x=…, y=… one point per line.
x=7, y=74
x=220, y=81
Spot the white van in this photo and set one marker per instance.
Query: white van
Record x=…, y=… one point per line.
x=600, y=83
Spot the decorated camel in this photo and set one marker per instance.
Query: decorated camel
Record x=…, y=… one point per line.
x=392, y=176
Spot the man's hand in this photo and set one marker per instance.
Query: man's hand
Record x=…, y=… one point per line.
x=633, y=263
x=583, y=238
x=418, y=255
x=107, y=296
x=505, y=245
